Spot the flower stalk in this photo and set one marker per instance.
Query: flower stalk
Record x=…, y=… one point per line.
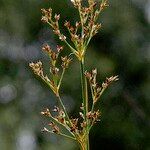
x=85, y=101
x=80, y=36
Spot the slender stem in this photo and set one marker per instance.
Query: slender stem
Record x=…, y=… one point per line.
x=65, y=41
x=49, y=84
x=85, y=101
x=94, y=101
x=102, y=91
x=84, y=88
x=74, y=42
x=72, y=49
x=64, y=109
x=92, y=98
x=67, y=136
x=62, y=75
x=84, y=145
x=88, y=142
x=81, y=19
x=92, y=109
x=64, y=125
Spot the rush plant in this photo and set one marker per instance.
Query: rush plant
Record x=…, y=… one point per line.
x=80, y=35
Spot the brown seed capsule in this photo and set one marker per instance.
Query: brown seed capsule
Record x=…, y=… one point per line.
x=78, y=24
x=65, y=62
x=46, y=112
x=94, y=72
x=54, y=70
x=46, y=48
x=56, y=109
x=88, y=75
x=37, y=68
x=61, y=119
x=57, y=17
x=62, y=37
x=47, y=14
x=109, y=80
x=53, y=56
x=56, y=129
x=44, y=19
x=59, y=48
x=67, y=24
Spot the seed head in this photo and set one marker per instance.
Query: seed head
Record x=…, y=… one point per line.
x=59, y=48
x=57, y=17
x=46, y=112
x=54, y=70
x=65, y=62
x=37, y=68
x=47, y=14
x=62, y=37
x=109, y=80
x=46, y=48
x=54, y=127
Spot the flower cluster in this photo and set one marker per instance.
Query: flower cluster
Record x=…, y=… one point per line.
x=83, y=30
x=47, y=18
x=56, y=79
x=75, y=127
x=96, y=89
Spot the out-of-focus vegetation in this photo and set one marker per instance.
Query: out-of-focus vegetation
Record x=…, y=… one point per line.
x=122, y=47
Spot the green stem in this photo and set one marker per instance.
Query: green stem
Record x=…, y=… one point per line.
x=84, y=88
x=62, y=75
x=101, y=92
x=72, y=49
x=64, y=125
x=64, y=109
x=67, y=136
x=88, y=142
x=92, y=98
x=84, y=145
x=85, y=101
x=92, y=109
x=65, y=41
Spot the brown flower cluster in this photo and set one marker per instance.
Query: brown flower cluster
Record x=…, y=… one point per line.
x=93, y=117
x=59, y=119
x=53, y=22
x=52, y=124
x=56, y=79
x=76, y=127
x=83, y=30
x=88, y=24
x=96, y=89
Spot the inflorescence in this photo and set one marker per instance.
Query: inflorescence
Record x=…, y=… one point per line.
x=80, y=36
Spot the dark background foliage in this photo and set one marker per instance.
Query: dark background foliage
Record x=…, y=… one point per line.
x=122, y=47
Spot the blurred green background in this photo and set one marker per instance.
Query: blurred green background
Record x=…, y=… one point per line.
x=122, y=47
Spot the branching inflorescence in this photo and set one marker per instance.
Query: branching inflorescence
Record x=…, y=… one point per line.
x=80, y=36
